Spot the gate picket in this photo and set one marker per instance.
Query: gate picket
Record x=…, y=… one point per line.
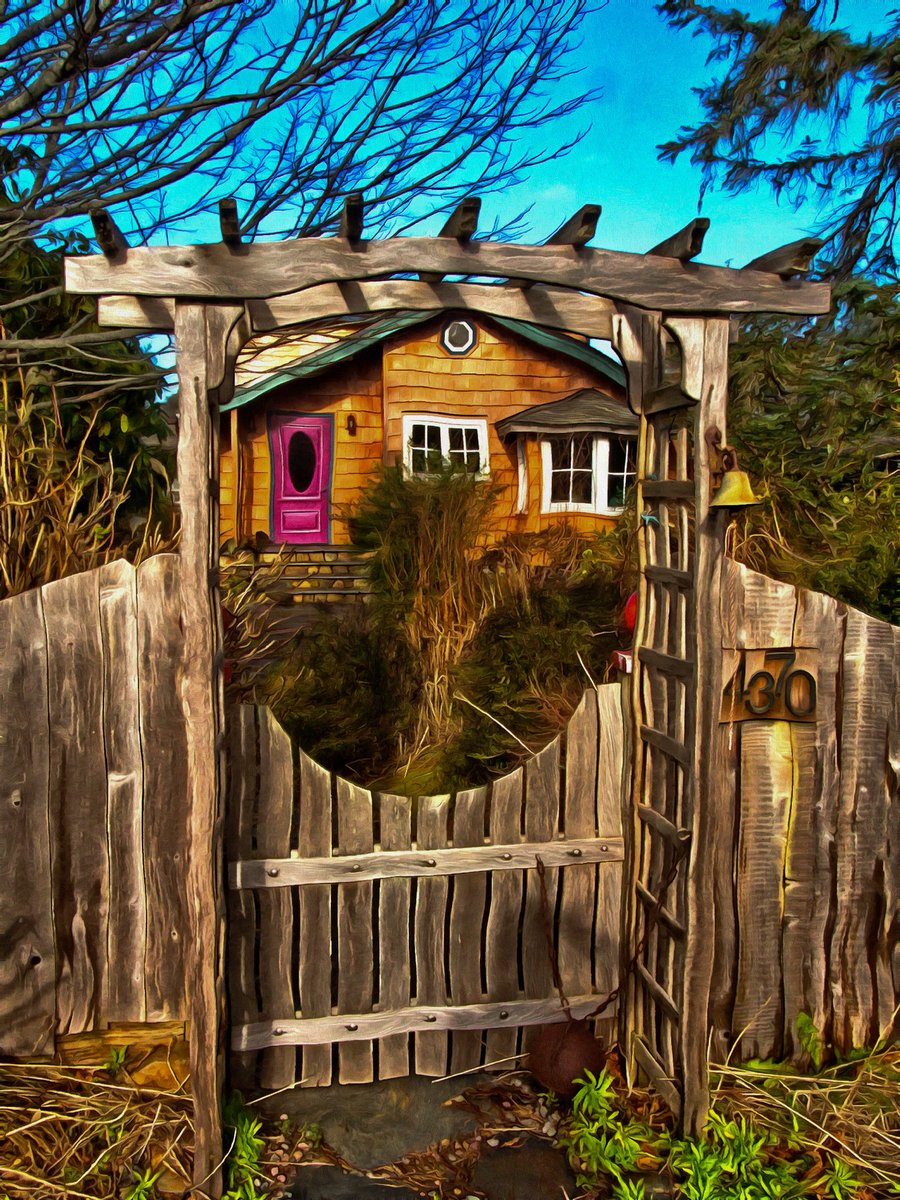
x=354, y=926
x=431, y=905
x=466, y=917
x=276, y=924
x=541, y=821
x=502, y=966
x=394, y=983
x=314, y=932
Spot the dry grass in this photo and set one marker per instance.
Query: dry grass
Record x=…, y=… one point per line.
x=851, y=1110
x=85, y=1132
x=61, y=504
x=252, y=592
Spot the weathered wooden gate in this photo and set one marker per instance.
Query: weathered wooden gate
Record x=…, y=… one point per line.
x=216, y=297
x=374, y=935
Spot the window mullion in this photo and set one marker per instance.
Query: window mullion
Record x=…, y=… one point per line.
x=601, y=474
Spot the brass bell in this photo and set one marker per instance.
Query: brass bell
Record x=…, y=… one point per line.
x=735, y=490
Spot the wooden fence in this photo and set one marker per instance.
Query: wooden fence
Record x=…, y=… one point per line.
x=95, y=820
x=807, y=886
x=93, y=805
x=373, y=935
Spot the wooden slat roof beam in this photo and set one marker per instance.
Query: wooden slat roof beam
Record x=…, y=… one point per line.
x=686, y=243
x=110, y=238
x=268, y=269
x=789, y=260
x=351, y=226
x=554, y=308
x=577, y=232
x=462, y=224
x=228, y=221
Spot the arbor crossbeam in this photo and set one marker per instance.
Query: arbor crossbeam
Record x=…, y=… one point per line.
x=264, y=270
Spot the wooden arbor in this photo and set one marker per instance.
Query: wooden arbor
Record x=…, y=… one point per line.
x=669, y=320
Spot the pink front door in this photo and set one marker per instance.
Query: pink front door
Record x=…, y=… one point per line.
x=301, y=476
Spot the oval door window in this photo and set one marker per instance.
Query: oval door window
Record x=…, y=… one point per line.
x=301, y=460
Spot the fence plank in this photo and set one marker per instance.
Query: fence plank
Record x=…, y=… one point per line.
x=125, y=793
x=763, y=612
x=501, y=937
x=241, y=739
x=167, y=804
x=276, y=922
x=466, y=919
x=314, y=838
x=354, y=928
x=78, y=800
x=27, y=943
x=432, y=1017
x=452, y=860
x=612, y=788
x=577, y=884
x=889, y=950
x=394, y=980
x=809, y=873
x=766, y=788
x=861, y=829
x=431, y=906
x=541, y=823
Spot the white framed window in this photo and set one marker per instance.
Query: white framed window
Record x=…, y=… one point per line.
x=431, y=442
x=587, y=472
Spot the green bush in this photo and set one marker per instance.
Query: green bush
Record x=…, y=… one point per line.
x=468, y=655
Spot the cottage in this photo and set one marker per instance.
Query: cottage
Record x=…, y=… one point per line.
x=542, y=414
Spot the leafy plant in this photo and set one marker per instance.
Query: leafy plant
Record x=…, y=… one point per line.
x=143, y=1186
x=243, y=1168
x=811, y=1040
x=602, y=1139
x=841, y=1182
x=756, y=1146
x=115, y=1060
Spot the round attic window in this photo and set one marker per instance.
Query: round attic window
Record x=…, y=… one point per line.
x=458, y=337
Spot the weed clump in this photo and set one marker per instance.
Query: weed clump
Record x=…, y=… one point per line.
x=468, y=654
x=772, y=1132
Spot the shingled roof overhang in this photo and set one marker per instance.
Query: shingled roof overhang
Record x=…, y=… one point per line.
x=373, y=333
x=585, y=411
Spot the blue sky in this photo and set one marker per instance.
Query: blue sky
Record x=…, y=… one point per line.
x=647, y=71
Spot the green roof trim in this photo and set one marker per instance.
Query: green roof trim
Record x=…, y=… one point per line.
x=380, y=329
x=322, y=360
x=582, y=352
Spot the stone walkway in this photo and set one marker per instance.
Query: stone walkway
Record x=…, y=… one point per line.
x=377, y=1124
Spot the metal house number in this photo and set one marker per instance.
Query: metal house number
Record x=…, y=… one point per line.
x=772, y=685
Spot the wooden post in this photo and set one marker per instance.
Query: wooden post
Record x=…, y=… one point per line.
x=202, y=334
x=705, y=374
x=677, y=636
x=237, y=467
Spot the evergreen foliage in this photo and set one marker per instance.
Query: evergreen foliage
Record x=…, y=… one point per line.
x=814, y=414
x=788, y=112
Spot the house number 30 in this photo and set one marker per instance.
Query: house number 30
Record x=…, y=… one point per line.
x=774, y=685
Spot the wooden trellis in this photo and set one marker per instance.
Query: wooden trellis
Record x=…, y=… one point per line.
x=216, y=297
